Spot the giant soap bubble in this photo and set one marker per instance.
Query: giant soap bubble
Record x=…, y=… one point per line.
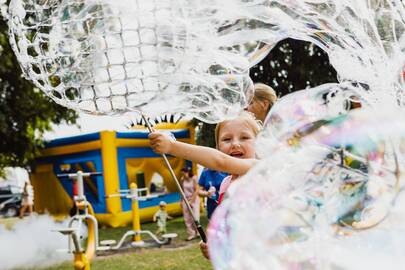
x=328, y=192
x=330, y=201
x=109, y=57
x=306, y=106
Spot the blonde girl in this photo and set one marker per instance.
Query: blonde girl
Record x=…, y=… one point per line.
x=235, y=155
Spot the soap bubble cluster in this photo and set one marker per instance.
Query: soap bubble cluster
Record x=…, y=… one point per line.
x=111, y=57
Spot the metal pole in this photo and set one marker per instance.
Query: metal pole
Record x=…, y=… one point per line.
x=136, y=222
x=80, y=187
x=183, y=196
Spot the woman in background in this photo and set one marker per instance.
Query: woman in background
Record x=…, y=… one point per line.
x=27, y=200
x=190, y=188
x=263, y=99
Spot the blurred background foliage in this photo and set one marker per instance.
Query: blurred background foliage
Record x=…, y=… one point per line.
x=25, y=112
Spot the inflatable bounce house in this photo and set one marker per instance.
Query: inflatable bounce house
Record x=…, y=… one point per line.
x=120, y=158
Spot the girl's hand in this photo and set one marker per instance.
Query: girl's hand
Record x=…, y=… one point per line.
x=160, y=142
x=204, y=249
x=211, y=192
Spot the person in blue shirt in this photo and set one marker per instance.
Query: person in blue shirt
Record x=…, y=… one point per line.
x=210, y=181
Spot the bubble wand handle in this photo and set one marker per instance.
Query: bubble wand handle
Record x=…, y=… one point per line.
x=183, y=196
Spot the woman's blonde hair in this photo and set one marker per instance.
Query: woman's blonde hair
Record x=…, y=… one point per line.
x=266, y=93
x=247, y=117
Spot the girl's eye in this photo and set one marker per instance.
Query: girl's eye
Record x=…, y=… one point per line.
x=246, y=138
x=226, y=139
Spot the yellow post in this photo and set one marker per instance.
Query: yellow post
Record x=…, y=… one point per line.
x=91, y=227
x=136, y=222
x=110, y=170
x=91, y=240
x=80, y=261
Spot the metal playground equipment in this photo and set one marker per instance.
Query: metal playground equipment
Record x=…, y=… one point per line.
x=85, y=217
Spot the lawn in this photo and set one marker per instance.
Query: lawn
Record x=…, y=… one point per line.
x=179, y=255
x=184, y=258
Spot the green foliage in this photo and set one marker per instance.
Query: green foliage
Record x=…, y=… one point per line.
x=25, y=112
x=294, y=65
x=205, y=133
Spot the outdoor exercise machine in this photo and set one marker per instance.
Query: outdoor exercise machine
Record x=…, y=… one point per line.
x=85, y=215
x=136, y=232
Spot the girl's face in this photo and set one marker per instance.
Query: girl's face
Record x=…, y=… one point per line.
x=236, y=138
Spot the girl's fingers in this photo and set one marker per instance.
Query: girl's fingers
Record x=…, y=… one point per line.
x=153, y=135
x=158, y=142
x=204, y=249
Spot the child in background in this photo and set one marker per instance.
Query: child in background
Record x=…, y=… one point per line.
x=210, y=182
x=161, y=216
x=235, y=155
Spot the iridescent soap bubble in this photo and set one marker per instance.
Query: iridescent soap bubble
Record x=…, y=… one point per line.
x=328, y=201
x=305, y=108
x=109, y=57
x=309, y=105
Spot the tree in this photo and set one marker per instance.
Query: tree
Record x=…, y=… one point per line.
x=290, y=66
x=294, y=65
x=25, y=112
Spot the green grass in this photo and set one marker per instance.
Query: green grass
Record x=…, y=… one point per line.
x=178, y=255
x=175, y=225
x=150, y=259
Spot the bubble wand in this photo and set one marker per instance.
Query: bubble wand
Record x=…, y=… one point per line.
x=176, y=181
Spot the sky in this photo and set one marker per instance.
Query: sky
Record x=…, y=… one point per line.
x=88, y=124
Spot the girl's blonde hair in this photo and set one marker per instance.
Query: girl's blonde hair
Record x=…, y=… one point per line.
x=265, y=92
x=247, y=117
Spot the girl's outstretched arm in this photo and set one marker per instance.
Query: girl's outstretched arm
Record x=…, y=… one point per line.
x=210, y=158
